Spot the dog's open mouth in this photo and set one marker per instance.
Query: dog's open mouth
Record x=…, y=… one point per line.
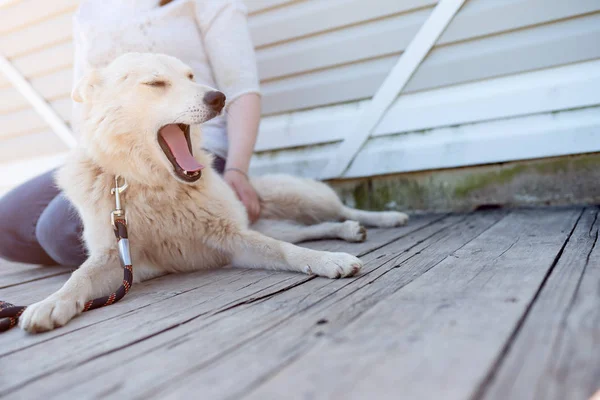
x=174, y=140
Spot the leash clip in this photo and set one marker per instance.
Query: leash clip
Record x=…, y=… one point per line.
x=118, y=212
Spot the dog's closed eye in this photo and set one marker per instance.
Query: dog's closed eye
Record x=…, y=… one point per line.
x=156, y=83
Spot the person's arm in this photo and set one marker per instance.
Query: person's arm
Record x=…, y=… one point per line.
x=243, y=116
x=230, y=51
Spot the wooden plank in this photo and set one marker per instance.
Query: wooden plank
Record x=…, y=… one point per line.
x=128, y=321
x=550, y=357
x=28, y=12
x=241, y=333
x=213, y=299
x=33, y=290
x=522, y=50
x=16, y=274
x=440, y=334
x=371, y=39
x=393, y=84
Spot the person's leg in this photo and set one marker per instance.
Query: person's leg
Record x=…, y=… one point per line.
x=20, y=210
x=59, y=232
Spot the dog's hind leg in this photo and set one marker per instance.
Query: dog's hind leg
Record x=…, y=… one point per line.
x=378, y=219
x=97, y=276
x=251, y=249
x=293, y=232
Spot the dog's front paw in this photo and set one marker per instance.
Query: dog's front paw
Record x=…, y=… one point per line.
x=335, y=265
x=53, y=312
x=391, y=219
x=353, y=231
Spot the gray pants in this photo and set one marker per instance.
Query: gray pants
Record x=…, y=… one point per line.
x=38, y=225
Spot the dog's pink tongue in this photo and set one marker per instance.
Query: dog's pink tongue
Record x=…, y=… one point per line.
x=175, y=139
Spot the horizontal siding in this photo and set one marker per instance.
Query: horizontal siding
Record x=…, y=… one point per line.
x=372, y=39
x=28, y=120
x=43, y=62
x=520, y=138
x=28, y=12
x=306, y=18
x=315, y=53
x=257, y=6
x=30, y=146
x=37, y=36
x=550, y=90
x=536, y=47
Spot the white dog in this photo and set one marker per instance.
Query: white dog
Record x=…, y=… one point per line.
x=142, y=115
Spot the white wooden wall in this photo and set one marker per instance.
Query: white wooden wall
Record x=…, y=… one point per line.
x=508, y=79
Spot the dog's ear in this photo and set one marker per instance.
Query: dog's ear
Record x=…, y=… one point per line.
x=86, y=85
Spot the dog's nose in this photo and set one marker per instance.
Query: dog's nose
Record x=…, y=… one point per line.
x=215, y=100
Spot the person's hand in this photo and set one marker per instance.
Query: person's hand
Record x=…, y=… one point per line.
x=240, y=184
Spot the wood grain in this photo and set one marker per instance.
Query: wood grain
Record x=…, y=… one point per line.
x=558, y=337
x=437, y=336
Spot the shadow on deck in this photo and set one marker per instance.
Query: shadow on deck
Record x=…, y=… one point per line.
x=487, y=305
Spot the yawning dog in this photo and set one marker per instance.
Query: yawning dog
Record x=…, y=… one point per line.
x=141, y=120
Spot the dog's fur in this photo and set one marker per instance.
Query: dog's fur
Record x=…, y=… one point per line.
x=176, y=226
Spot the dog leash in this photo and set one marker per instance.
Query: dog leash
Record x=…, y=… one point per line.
x=9, y=313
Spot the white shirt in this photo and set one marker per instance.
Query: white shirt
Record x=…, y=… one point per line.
x=211, y=36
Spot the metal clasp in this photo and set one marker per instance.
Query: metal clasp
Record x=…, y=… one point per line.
x=118, y=212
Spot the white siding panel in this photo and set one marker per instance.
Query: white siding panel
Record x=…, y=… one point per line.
x=53, y=87
x=38, y=36
x=500, y=65
x=543, y=46
x=354, y=43
x=309, y=17
x=537, y=136
x=27, y=12
x=30, y=146
x=43, y=62
x=304, y=128
x=548, y=135
x=256, y=6
x=391, y=35
x=558, y=88
x=538, y=47
x=29, y=121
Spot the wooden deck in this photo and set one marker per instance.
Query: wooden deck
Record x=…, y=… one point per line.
x=488, y=305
